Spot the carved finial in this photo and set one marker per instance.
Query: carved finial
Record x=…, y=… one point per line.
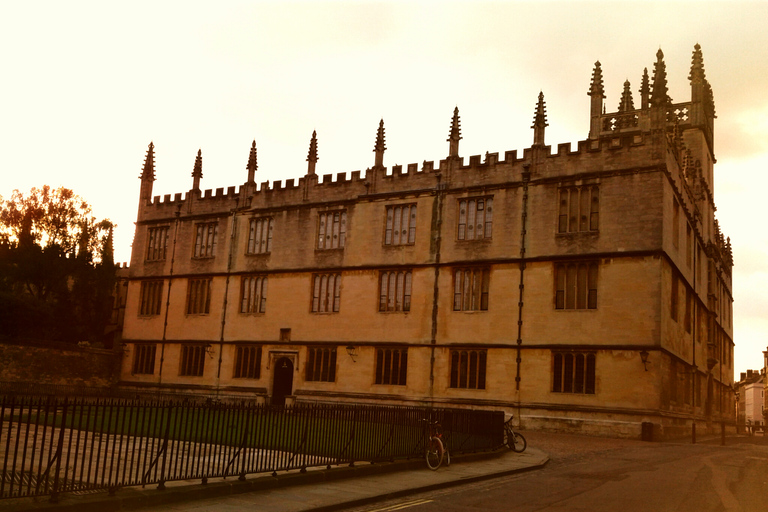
x=455, y=135
x=596, y=86
x=148, y=172
x=197, y=172
x=379, y=147
x=312, y=155
x=108, y=250
x=253, y=164
x=626, y=104
x=645, y=90
x=539, y=120
x=455, y=126
x=596, y=107
x=659, y=94
x=540, y=117
x=697, y=74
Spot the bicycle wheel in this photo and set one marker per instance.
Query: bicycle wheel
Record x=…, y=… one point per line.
x=434, y=454
x=447, y=457
x=519, y=444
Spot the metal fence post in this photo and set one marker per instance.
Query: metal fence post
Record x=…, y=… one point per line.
x=57, y=456
x=161, y=485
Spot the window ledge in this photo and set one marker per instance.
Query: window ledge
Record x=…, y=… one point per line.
x=574, y=234
x=484, y=240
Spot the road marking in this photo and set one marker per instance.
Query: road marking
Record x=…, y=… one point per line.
x=401, y=506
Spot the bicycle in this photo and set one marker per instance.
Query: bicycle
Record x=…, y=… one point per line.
x=518, y=442
x=436, y=451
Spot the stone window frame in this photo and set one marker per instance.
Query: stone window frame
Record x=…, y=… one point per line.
x=574, y=372
x=391, y=366
x=578, y=209
x=206, y=240
x=144, y=355
x=400, y=225
x=469, y=214
x=471, y=288
x=253, y=294
x=259, y=238
x=395, y=289
x=468, y=368
x=321, y=364
x=247, y=363
x=331, y=235
x=326, y=293
x=576, y=285
x=150, y=297
x=157, y=243
x=192, y=360
x=199, y=296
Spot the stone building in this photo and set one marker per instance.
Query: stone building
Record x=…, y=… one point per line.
x=750, y=398
x=583, y=289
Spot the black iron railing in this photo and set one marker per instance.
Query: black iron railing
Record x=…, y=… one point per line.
x=50, y=445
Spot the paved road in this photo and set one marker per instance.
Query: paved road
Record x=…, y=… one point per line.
x=603, y=475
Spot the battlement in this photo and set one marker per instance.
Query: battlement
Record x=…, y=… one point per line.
x=628, y=130
x=486, y=169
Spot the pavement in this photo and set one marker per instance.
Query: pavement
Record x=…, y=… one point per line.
x=316, y=490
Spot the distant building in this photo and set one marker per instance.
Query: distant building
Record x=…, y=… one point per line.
x=750, y=402
x=585, y=290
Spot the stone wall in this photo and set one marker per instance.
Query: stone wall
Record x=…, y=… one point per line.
x=58, y=363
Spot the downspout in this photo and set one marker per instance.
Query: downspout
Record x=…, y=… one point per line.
x=518, y=360
x=168, y=295
x=232, y=237
x=436, y=289
x=695, y=371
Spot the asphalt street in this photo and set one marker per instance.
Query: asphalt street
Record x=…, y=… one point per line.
x=603, y=475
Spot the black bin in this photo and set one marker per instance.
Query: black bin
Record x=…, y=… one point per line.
x=647, y=431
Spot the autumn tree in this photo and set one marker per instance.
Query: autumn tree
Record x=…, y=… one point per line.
x=56, y=267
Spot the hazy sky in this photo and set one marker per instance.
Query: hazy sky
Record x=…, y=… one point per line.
x=87, y=85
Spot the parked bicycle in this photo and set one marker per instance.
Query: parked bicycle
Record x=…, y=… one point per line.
x=436, y=449
x=512, y=439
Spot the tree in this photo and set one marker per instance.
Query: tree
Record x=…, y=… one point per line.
x=56, y=267
x=53, y=218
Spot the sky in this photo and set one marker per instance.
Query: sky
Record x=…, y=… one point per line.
x=86, y=86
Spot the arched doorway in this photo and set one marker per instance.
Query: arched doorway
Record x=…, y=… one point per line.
x=282, y=380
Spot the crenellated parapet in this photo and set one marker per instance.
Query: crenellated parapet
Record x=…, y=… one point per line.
x=491, y=169
x=622, y=139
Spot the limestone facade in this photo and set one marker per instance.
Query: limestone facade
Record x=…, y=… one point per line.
x=584, y=289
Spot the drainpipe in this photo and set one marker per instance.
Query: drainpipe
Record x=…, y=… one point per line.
x=168, y=295
x=526, y=180
x=232, y=239
x=436, y=289
x=695, y=372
